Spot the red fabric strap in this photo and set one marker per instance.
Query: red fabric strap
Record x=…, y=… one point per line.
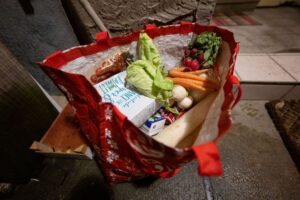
x=102, y=36
x=208, y=159
x=235, y=81
x=186, y=27
x=149, y=26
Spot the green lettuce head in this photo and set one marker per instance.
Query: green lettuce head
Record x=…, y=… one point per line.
x=148, y=80
x=147, y=51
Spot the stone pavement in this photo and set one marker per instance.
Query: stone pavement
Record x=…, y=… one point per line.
x=255, y=160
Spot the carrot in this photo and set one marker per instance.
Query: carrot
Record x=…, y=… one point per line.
x=180, y=69
x=201, y=83
x=192, y=84
x=197, y=72
x=177, y=74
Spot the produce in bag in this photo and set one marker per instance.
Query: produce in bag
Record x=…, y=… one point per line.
x=123, y=152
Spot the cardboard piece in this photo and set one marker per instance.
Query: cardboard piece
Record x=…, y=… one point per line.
x=63, y=138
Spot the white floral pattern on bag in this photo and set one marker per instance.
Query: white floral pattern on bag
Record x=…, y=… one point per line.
x=112, y=156
x=108, y=113
x=109, y=139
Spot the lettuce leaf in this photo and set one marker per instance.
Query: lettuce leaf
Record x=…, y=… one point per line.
x=147, y=51
x=148, y=80
x=145, y=74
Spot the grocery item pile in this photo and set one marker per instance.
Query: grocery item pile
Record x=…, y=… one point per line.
x=162, y=102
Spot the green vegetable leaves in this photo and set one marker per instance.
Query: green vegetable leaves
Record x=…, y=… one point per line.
x=147, y=51
x=146, y=75
x=209, y=43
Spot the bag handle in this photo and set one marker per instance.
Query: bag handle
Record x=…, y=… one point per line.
x=169, y=174
x=186, y=27
x=209, y=163
x=234, y=80
x=102, y=37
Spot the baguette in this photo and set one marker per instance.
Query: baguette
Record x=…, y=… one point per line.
x=185, y=125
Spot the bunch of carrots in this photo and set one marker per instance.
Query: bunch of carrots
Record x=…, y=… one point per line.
x=191, y=79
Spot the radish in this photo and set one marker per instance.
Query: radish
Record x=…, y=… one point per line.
x=187, y=61
x=194, y=65
x=194, y=51
x=201, y=58
x=187, y=52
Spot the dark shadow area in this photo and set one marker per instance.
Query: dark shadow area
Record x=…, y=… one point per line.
x=145, y=182
x=91, y=187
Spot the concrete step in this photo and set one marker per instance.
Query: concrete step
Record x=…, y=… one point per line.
x=269, y=76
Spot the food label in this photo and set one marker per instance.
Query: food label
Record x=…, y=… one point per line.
x=135, y=106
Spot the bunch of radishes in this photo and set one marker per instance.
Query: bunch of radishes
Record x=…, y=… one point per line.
x=193, y=58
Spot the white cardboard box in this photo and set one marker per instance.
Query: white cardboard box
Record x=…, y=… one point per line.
x=136, y=107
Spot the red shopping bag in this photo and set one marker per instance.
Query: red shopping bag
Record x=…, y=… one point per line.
x=122, y=151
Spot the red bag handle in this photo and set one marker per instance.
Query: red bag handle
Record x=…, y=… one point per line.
x=208, y=158
x=102, y=37
x=209, y=163
x=169, y=174
x=234, y=80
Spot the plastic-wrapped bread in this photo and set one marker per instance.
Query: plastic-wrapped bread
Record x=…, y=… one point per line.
x=174, y=133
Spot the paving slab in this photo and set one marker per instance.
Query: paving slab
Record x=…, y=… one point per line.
x=185, y=185
x=255, y=160
x=290, y=63
x=279, y=31
x=269, y=76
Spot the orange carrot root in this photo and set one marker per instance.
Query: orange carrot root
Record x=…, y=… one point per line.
x=178, y=74
x=180, y=69
x=197, y=72
x=193, y=84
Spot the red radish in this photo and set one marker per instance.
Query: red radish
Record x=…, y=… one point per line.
x=201, y=58
x=187, y=61
x=187, y=52
x=194, y=65
x=194, y=51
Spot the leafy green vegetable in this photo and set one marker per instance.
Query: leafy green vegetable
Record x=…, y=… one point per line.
x=209, y=43
x=146, y=75
x=140, y=74
x=147, y=51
